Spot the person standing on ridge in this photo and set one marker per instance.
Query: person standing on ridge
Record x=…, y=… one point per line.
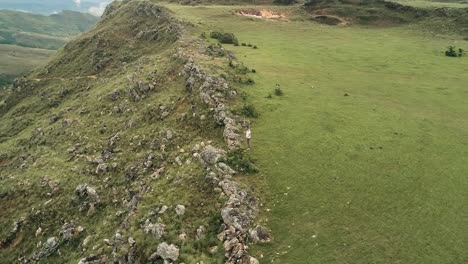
x=248, y=136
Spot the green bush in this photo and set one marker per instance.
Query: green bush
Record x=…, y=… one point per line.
x=254, y=71
x=451, y=52
x=244, y=44
x=249, y=110
x=284, y=2
x=241, y=161
x=255, y=47
x=215, y=34
x=225, y=38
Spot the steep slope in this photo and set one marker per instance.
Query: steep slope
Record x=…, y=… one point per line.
x=114, y=152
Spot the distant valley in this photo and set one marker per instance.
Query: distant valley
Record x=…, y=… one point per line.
x=29, y=40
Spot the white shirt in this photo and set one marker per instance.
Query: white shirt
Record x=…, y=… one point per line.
x=248, y=134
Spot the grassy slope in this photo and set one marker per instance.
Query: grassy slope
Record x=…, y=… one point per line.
x=15, y=61
x=429, y=3
x=35, y=31
x=375, y=177
x=64, y=24
x=87, y=115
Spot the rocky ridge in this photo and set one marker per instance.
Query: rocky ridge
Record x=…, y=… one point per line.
x=109, y=175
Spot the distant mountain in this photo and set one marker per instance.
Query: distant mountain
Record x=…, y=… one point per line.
x=47, y=7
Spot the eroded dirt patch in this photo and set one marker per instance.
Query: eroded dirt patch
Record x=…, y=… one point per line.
x=261, y=13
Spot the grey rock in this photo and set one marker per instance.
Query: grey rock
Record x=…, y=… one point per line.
x=211, y=155
x=157, y=230
x=49, y=247
x=201, y=233
x=166, y=251
x=236, y=218
x=180, y=210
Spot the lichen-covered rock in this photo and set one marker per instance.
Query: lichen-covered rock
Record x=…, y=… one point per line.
x=157, y=230
x=180, y=210
x=236, y=218
x=87, y=194
x=201, y=233
x=211, y=155
x=166, y=251
x=49, y=248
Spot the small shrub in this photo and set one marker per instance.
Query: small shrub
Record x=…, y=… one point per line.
x=241, y=161
x=249, y=45
x=242, y=69
x=215, y=34
x=225, y=38
x=243, y=44
x=254, y=71
x=236, y=44
x=249, y=81
x=249, y=111
x=278, y=91
x=269, y=96
x=255, y=47
x=451, y=52
x=229, y=38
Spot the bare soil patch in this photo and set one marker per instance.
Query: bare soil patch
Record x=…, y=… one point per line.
x=261, y=13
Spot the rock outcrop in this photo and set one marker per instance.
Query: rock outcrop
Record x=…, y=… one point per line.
x=240, y=209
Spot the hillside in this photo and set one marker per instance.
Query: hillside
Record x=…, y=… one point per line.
x=17, y=61
x=49, y=32
x=35, y=36
x=128, y=146
x=123, y=150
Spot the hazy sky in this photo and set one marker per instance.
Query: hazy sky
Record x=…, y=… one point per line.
x=95, y=7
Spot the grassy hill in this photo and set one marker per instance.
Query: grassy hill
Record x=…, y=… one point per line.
x=362, y=160
x=16, y=61
x=126, y=142
x=112, y=150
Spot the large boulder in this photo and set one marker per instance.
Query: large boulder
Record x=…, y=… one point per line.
x=166, y=251
x=211, y=155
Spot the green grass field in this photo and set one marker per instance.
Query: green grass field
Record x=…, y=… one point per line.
x=15, y=61
x=378, y=176
x=429, y=3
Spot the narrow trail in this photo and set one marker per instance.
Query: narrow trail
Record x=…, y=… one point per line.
x=91, y=77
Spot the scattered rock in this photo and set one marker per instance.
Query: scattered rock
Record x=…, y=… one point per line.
x=49, y=248
x=211, y=155
x=166, y=251
x=180, y=210
x=201, y=233
x=157, y=230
